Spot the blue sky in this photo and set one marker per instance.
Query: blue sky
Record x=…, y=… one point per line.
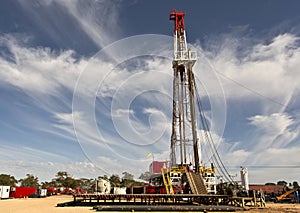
x=82, y=64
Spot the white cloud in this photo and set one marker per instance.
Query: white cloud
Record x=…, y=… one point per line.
x=122, y=112
x=282, y=157
x=39, y=70
x=98, y=19
x=268, y=69
x=273, y=130
x=237, y=157
x=276, y=123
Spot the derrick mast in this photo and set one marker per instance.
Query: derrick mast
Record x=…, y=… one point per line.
x=184, y=141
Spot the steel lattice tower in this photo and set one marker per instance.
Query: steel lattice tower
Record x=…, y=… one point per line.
x=184, y=141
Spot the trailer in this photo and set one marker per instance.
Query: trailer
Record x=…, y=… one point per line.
x=21, y=192
x=4, y=192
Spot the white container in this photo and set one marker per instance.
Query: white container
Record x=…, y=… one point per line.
x=43, y=193
x=120, y=190
x=4, y=192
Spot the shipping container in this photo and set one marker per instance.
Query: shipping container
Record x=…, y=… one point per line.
x=21, y=192
x=4, y=192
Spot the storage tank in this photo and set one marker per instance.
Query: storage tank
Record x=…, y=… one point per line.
x=103, y=186
x=244, y=178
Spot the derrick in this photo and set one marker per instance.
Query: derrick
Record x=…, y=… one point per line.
x=184, y=141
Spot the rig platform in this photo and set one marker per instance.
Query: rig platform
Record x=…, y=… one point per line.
x=152, y=199
x=154, y=202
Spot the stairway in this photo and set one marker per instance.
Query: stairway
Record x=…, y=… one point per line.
x=196, y=183
x=167, y=181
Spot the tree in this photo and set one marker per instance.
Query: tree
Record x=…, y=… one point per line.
x=61, y=177
x=127, y=179
x=145, y=176
x=103, y=177
x=70, y=182
x=270, y=184
x=65, y=180
x=47, y=184
x=295, y=185
x=282, y=183
x=115, y=180
x=7, y=180
x=30, y=181
x=86, y=184
x=127, y=176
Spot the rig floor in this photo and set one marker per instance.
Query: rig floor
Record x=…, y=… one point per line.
x=152, y=199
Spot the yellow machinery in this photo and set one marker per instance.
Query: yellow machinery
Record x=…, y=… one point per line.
x=281, y=197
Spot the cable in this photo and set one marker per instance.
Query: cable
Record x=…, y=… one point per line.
x=268, y=166
x=251, y=90
x=209, y=139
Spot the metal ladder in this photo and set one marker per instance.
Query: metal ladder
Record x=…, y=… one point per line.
x=167, y=181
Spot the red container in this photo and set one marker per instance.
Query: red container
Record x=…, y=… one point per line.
x=21, y=192
x=156, y=166
x=151, y=190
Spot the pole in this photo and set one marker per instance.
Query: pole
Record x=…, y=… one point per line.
x=152, y=163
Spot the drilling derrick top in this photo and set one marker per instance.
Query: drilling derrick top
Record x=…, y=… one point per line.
x=181, y=53
x=178, y=17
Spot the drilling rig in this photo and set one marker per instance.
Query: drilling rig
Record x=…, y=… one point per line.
x=184, y=139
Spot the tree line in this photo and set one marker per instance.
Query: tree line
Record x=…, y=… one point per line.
x=293, y=185
x=64, y=179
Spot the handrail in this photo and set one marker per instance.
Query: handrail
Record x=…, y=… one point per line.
x=170, y=184
x=165, y=182
x=185, y=55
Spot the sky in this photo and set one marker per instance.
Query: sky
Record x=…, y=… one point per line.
x=86, y=86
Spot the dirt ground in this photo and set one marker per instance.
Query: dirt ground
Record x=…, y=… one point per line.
x=276, y=208
x=40, y=205
x=48, y=205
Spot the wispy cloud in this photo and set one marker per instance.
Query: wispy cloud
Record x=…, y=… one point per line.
x=129, y=95
x=273, y=64
x=96, y=19
x=38, y=70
